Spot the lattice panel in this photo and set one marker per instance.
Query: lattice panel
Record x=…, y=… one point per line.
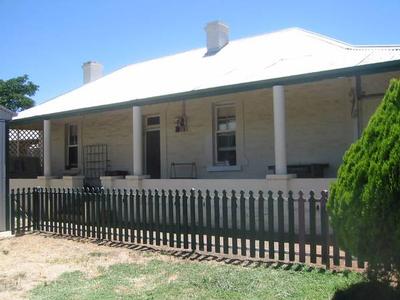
x=26, y=143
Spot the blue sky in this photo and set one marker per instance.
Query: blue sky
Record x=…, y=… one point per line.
x=49, y=40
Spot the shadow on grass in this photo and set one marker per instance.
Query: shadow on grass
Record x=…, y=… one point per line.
x=367, y=290
x=199, y=255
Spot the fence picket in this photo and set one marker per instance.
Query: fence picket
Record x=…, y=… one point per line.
x=138, y=217
x=113, y=214
x=178, y=219
x=225, y=222
x=98, y=219
x=217, y=218
x=41, y=209
x=312, y=216
x=201, y=220
x=108, y=214
x=18, y=211
x=234, y=222
x=51, y=210
x=324, y=230
x=302, y=230
x=185, y=220
x=348, y=260
x=208, y=221
x=29, y=209
x=68, y=211
x=120, y=221
x=252, y=221
x=291, y=226
x=243, y=231
x=193, y=220
x=103, y=215
x=164, y=217
x=23, y=210
x=271, y=232
x=281, y=227
x=125, y=202
x=150, y=216
x=79, y=212
x=261, y=225
x=93, y=214
x=144, y=217
x=171, y=226
x=132, y=215
x=157, y=216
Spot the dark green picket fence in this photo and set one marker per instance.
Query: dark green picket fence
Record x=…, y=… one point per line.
x=291, y=229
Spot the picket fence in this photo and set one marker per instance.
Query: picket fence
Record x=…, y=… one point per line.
x=287, y=229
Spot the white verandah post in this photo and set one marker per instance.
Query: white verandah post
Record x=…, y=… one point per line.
x=46, y=148
x=137, y=141
x=279, y=130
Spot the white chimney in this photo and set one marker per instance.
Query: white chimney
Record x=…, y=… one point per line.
x=91, y=71
x=217, y=36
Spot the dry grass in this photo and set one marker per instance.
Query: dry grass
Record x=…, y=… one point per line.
x=33, y=259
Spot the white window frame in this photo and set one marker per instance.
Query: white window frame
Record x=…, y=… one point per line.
x=69, y=146
x=217, y=131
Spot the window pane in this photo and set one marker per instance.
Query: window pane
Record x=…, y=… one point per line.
x=227, y=157
x=226, y=141
x=226, y=112
x=226, y=118
x=73, y=157
x=73, y=135
x=151, y=121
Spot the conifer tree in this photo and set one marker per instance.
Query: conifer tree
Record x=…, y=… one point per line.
x=364, y=202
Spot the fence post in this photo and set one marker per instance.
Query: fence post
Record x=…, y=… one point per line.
x=12, y=215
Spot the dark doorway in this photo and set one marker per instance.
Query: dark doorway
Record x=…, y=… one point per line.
x=153, y=159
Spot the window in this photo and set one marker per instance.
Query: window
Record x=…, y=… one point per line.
x=153, y=121
x=72, y=146
x=225, y=135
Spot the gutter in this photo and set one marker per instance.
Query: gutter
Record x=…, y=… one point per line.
x=223, y=90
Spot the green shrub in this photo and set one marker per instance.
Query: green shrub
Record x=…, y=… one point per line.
x=364, y=202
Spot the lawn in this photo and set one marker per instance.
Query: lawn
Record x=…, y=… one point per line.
x=42, y=266
x=197, y=280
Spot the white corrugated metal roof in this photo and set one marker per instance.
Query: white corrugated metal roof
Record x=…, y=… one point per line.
x=279, y=54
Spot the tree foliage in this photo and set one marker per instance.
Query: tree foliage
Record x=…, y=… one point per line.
x=15, y=93
x=364, y=202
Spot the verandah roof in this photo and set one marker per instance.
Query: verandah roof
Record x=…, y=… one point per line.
x=274, y=58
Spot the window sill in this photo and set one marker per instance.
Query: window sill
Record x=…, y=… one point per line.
x=224, y=168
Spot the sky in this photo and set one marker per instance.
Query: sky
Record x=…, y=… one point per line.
x=50, y=39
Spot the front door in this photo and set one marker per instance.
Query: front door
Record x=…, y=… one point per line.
x=153, y=158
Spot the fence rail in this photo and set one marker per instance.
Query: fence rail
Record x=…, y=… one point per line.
x=289, y=229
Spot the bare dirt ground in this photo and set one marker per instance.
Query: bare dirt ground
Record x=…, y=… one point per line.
x=29, y=260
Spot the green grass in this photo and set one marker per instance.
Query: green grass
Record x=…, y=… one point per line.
x=197, y=280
